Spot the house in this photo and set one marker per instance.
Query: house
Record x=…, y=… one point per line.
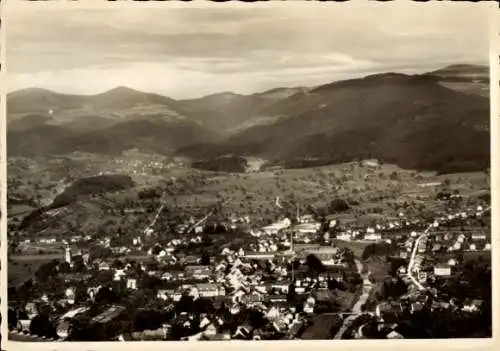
x=72, y=313
x=277, y=298
x=436, y=247
x=282, y=287
x=31, y=309
x=260, y=255
x=198, y=271
x=394, y=335
x=104, y=266
x=243, y=331
x=422, y=277
x=344, y=236
x=442, y=270
x=252, y=298
x=276, y=227
x=416, y=307
x=472, y=305
x=210, y=290
x=63, y=329
x=280, y=325
x=108, y=315
x=132, y=283
x=373, y=236
x=119, y=273
x=165, y=294
x=23, y=325
x=308, y=228
x=210, y=330
x=478, y=236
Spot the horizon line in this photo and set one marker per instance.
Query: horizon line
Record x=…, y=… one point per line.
x=235, y=92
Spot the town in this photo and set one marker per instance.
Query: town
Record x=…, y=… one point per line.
x=303, y=276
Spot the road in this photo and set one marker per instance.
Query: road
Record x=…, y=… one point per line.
x=426, y=233
x=356, y=309
x=368, y=286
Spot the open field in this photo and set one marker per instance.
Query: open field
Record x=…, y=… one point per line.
x=372, y=192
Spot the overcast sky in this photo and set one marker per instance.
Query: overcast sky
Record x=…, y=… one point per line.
x=189, y=52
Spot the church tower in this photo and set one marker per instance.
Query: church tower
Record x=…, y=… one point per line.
x=67, y=255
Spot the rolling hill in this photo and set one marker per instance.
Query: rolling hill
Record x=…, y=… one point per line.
x=156, y=136
x=437, y=120
x=412, y=121
x=227, y=111
x=41, y=122
x=470, y=79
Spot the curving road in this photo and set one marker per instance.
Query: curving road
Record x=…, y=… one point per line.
x=411, y=263
x=368, y=286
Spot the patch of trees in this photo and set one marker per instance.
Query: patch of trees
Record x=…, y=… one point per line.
x=222, y=164
x=96, y=185
x=149, y=194
x=314, y=265
x=391, y=288
x=338, y=205
x=376, y=249
x=42, y=326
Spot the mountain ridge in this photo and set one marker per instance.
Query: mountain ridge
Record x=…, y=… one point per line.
x=389, y=116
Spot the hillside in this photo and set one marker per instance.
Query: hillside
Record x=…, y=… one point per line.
x=469, y=79
x=151, y=135
x=437, y=121
x=35, y=100
x=412, y=121
x=227, y=111
x=85, y=187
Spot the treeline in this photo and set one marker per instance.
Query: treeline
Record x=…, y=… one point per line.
x=222, y=164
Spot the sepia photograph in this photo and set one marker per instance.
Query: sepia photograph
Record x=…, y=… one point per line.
x=266, y=172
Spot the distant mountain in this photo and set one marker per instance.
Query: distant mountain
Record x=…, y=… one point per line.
x=437, y=120
x=226, y=111
x=119, y=104
x=44, y=122
x=463, y=72
x=412, y=121
x=282, y=93
x=470, y=79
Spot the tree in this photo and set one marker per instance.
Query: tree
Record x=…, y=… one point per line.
x=338, y=205
x=205, y=259
x=41, y=326
x=314, y=264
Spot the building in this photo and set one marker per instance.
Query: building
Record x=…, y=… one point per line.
x=132, y=284
x=275, y=228
x=307, y=228
x=259, y=255
x=104, y=266
x=442, y=270
x=24, y=325
x=67, y=255
x=199, y=272
x=63, y=328
x=210, y=290
x=373, y=236
x=108, y=315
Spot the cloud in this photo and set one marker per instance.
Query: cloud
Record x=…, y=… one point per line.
x=192, y=51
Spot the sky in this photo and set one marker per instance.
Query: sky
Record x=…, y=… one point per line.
x=188, y=52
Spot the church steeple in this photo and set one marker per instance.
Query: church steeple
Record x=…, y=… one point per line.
x=67, y=255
